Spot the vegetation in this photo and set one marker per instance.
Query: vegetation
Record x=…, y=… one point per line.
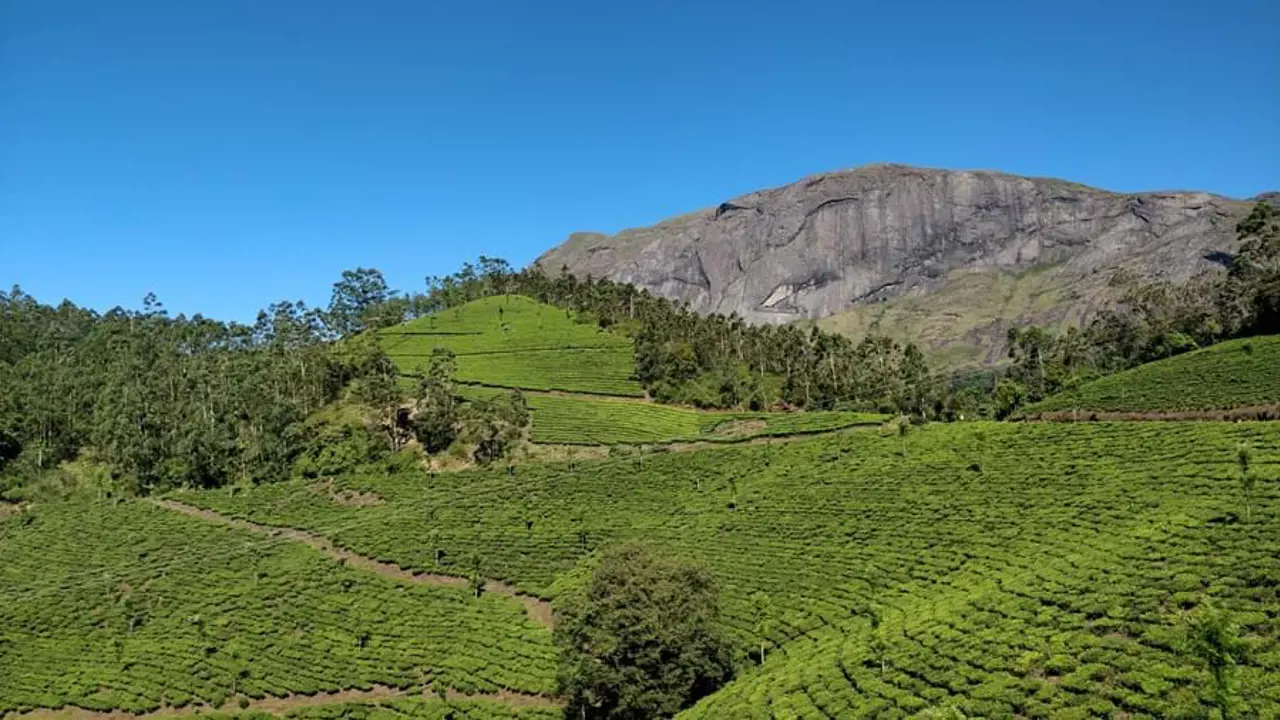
x=130, y=607
x=159, y=401
x=642, y=638
x=1236, y=373
x=513, y=341
x=1012, y=569
x=679, y=355
x=585, y=420
x=1155, y=321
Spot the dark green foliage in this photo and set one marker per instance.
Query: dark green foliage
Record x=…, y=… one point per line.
x=161, y=401
x=1215, y=640
x=336, y=444
x=435, y=402
x=642, y=639
x=495, y=427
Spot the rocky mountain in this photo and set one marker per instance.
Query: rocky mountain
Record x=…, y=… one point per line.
x=949, y=259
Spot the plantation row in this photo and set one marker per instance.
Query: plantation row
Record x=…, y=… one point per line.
x=516, y=342
x=417, y=708
x=581, y=420
x=131, y=607
x=1236, y=373
x=1043, y=570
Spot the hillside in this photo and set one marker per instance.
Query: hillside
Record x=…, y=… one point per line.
x=1243, y=373
x=134, y=607
x=1027, y=569
x=934, y=256
x=578, y=379
x=516, y=342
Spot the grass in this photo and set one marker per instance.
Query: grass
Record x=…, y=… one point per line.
x=514, y=341
x=131, y=607
x=963, y=322
x=1042, y=570
x=1237, y=373
x=581, y=420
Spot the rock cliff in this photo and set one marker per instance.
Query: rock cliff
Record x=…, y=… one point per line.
x=903, y=249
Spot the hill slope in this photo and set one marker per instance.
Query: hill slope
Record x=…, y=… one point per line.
x=1021, y=569
x=517, y=342
x=1243, y=373
x=849, y=241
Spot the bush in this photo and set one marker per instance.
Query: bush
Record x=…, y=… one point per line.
x=642, y=639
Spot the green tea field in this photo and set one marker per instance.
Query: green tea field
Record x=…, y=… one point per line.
x=1234, y=374
x=587, y=420
x=516, y=342
x=1002, y=570
x=133, y=607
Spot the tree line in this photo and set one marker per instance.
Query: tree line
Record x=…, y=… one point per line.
x=1153, y=320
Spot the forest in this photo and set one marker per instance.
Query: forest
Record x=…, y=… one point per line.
x=152, y=401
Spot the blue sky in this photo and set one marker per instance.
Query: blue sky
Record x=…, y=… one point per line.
x=229, y=153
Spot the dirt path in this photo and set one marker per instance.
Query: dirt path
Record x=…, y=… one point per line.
x=282, y=705
x=539, y=610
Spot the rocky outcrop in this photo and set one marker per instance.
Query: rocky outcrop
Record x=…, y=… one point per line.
x=837, y=241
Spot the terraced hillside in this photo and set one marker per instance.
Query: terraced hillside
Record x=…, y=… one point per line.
x=585, y=420
x=514, y=341
x=133, y=607
x=1243, y=373
x=1039, y=570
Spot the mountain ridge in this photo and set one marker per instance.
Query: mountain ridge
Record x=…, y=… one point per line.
x=850, y=248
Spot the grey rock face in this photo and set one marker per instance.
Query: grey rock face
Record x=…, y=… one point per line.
x=839, y=240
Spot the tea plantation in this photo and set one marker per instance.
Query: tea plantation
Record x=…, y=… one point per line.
x=133, y=607
x=587, y=420
x=1003, y=570
x=516, y=342
x=1236, y=373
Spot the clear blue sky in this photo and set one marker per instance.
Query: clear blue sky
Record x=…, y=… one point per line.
x=229, y=153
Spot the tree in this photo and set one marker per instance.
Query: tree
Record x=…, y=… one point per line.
x=642, y=638
x=476, y=563
x=762, y=619
x=1009, y=396
x=435, y=422
x=378, y=389
x=495, y=428
x=1243, y=455
x=1212, y=637
x=355, y=297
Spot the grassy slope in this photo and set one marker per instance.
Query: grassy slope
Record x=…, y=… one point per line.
x=581, y=420
x=962, y=322
x=1237, y=373
x=69, y=579
x=514, y=341
x=1032, y=569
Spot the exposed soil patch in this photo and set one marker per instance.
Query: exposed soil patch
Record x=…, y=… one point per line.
x=350, y=498
x=539, y=610
x=734, y=428
x=1252, y=412
x=8, y=508
x=281, y=705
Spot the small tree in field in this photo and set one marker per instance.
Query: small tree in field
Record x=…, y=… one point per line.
x=762, y=617
x=1215, y=640
x=642, y=639
x=477, y=578
x=1244, y=455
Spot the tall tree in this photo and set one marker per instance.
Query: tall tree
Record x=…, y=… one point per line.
x=642, y=639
